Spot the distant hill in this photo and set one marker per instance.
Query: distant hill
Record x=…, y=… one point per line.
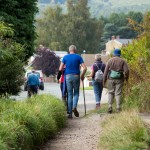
x=104, y=7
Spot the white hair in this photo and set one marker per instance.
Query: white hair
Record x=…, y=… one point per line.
x=72, y=48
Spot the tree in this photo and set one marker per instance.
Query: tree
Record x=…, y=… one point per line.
x=11, y=56
x=47, y=61
x=117, y=24
x=136, y=16
x=137, y=55
x=126, y=32
x=49, y=28
x=21, y=15
x=75, y=27
x=119, y=19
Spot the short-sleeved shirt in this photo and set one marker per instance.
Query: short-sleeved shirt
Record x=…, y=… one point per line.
x=72, y=62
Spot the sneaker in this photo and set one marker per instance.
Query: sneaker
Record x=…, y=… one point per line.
x=110, y=110
x=70, y=116
x=75, y=112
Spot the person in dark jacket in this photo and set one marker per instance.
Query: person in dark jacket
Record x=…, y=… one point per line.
x=33, y=83
x=116, y=72
x=61, y=78
x=97, y=86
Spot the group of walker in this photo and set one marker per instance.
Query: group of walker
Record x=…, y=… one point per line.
x=115, y=72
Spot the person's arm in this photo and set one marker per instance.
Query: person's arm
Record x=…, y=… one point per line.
x=92, y=72
x=61, y=66
x=83, y=71
x=59, y=75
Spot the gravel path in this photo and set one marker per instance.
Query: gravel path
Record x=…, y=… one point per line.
x=79, y=134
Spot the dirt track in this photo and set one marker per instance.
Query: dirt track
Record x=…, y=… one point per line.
x=79, y=134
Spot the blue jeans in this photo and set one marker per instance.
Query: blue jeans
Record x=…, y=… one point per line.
x=73, y=84
x=98, y=88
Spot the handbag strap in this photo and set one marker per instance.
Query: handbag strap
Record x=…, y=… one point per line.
x=98, y=67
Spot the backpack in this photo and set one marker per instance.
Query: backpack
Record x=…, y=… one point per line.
x=99, y=74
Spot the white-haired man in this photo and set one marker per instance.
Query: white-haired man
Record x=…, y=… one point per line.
x=73, y=62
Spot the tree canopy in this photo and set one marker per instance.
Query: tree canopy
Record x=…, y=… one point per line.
x=11, y=61
x=47, y=61
x=57, y=30
x=117, y=24
x=21, y=15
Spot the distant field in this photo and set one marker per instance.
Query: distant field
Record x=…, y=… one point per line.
x=104, y=7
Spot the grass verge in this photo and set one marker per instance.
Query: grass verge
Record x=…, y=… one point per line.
x=28, y=124
x=124, y=131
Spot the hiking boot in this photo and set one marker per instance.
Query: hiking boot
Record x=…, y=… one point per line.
x=97, y=106
x=75, y=112
x=110, y=110
x=70, y=116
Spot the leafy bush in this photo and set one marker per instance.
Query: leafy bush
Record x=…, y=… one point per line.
x=139, y=98
x=11, y=74
x=137, y=55
x=26, y=125
x=11, y=60
x=124, y=131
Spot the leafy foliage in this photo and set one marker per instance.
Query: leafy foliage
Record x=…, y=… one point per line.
x=117, y=24
x=11, y=56
x=138, y=58
x=21, y=15
x=47, y=61
x=26, y=125
x=49, y=28
x=5, y=30
x=11, y=70
x=57, y=30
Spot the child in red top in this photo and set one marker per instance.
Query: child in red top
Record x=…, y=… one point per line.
x=61, y=79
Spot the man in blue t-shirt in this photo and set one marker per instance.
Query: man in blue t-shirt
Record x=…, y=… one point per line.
x=73, y=62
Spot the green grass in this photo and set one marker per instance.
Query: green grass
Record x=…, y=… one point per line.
x=27, y=124
x=124, y=131
x=87, y=88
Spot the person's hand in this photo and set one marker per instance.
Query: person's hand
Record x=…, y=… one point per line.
x=82, y=77
x=88, y=77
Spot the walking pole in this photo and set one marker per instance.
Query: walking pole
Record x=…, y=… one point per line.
x=84, y=97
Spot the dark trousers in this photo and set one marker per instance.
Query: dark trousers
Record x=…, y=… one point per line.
x=32, y=90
